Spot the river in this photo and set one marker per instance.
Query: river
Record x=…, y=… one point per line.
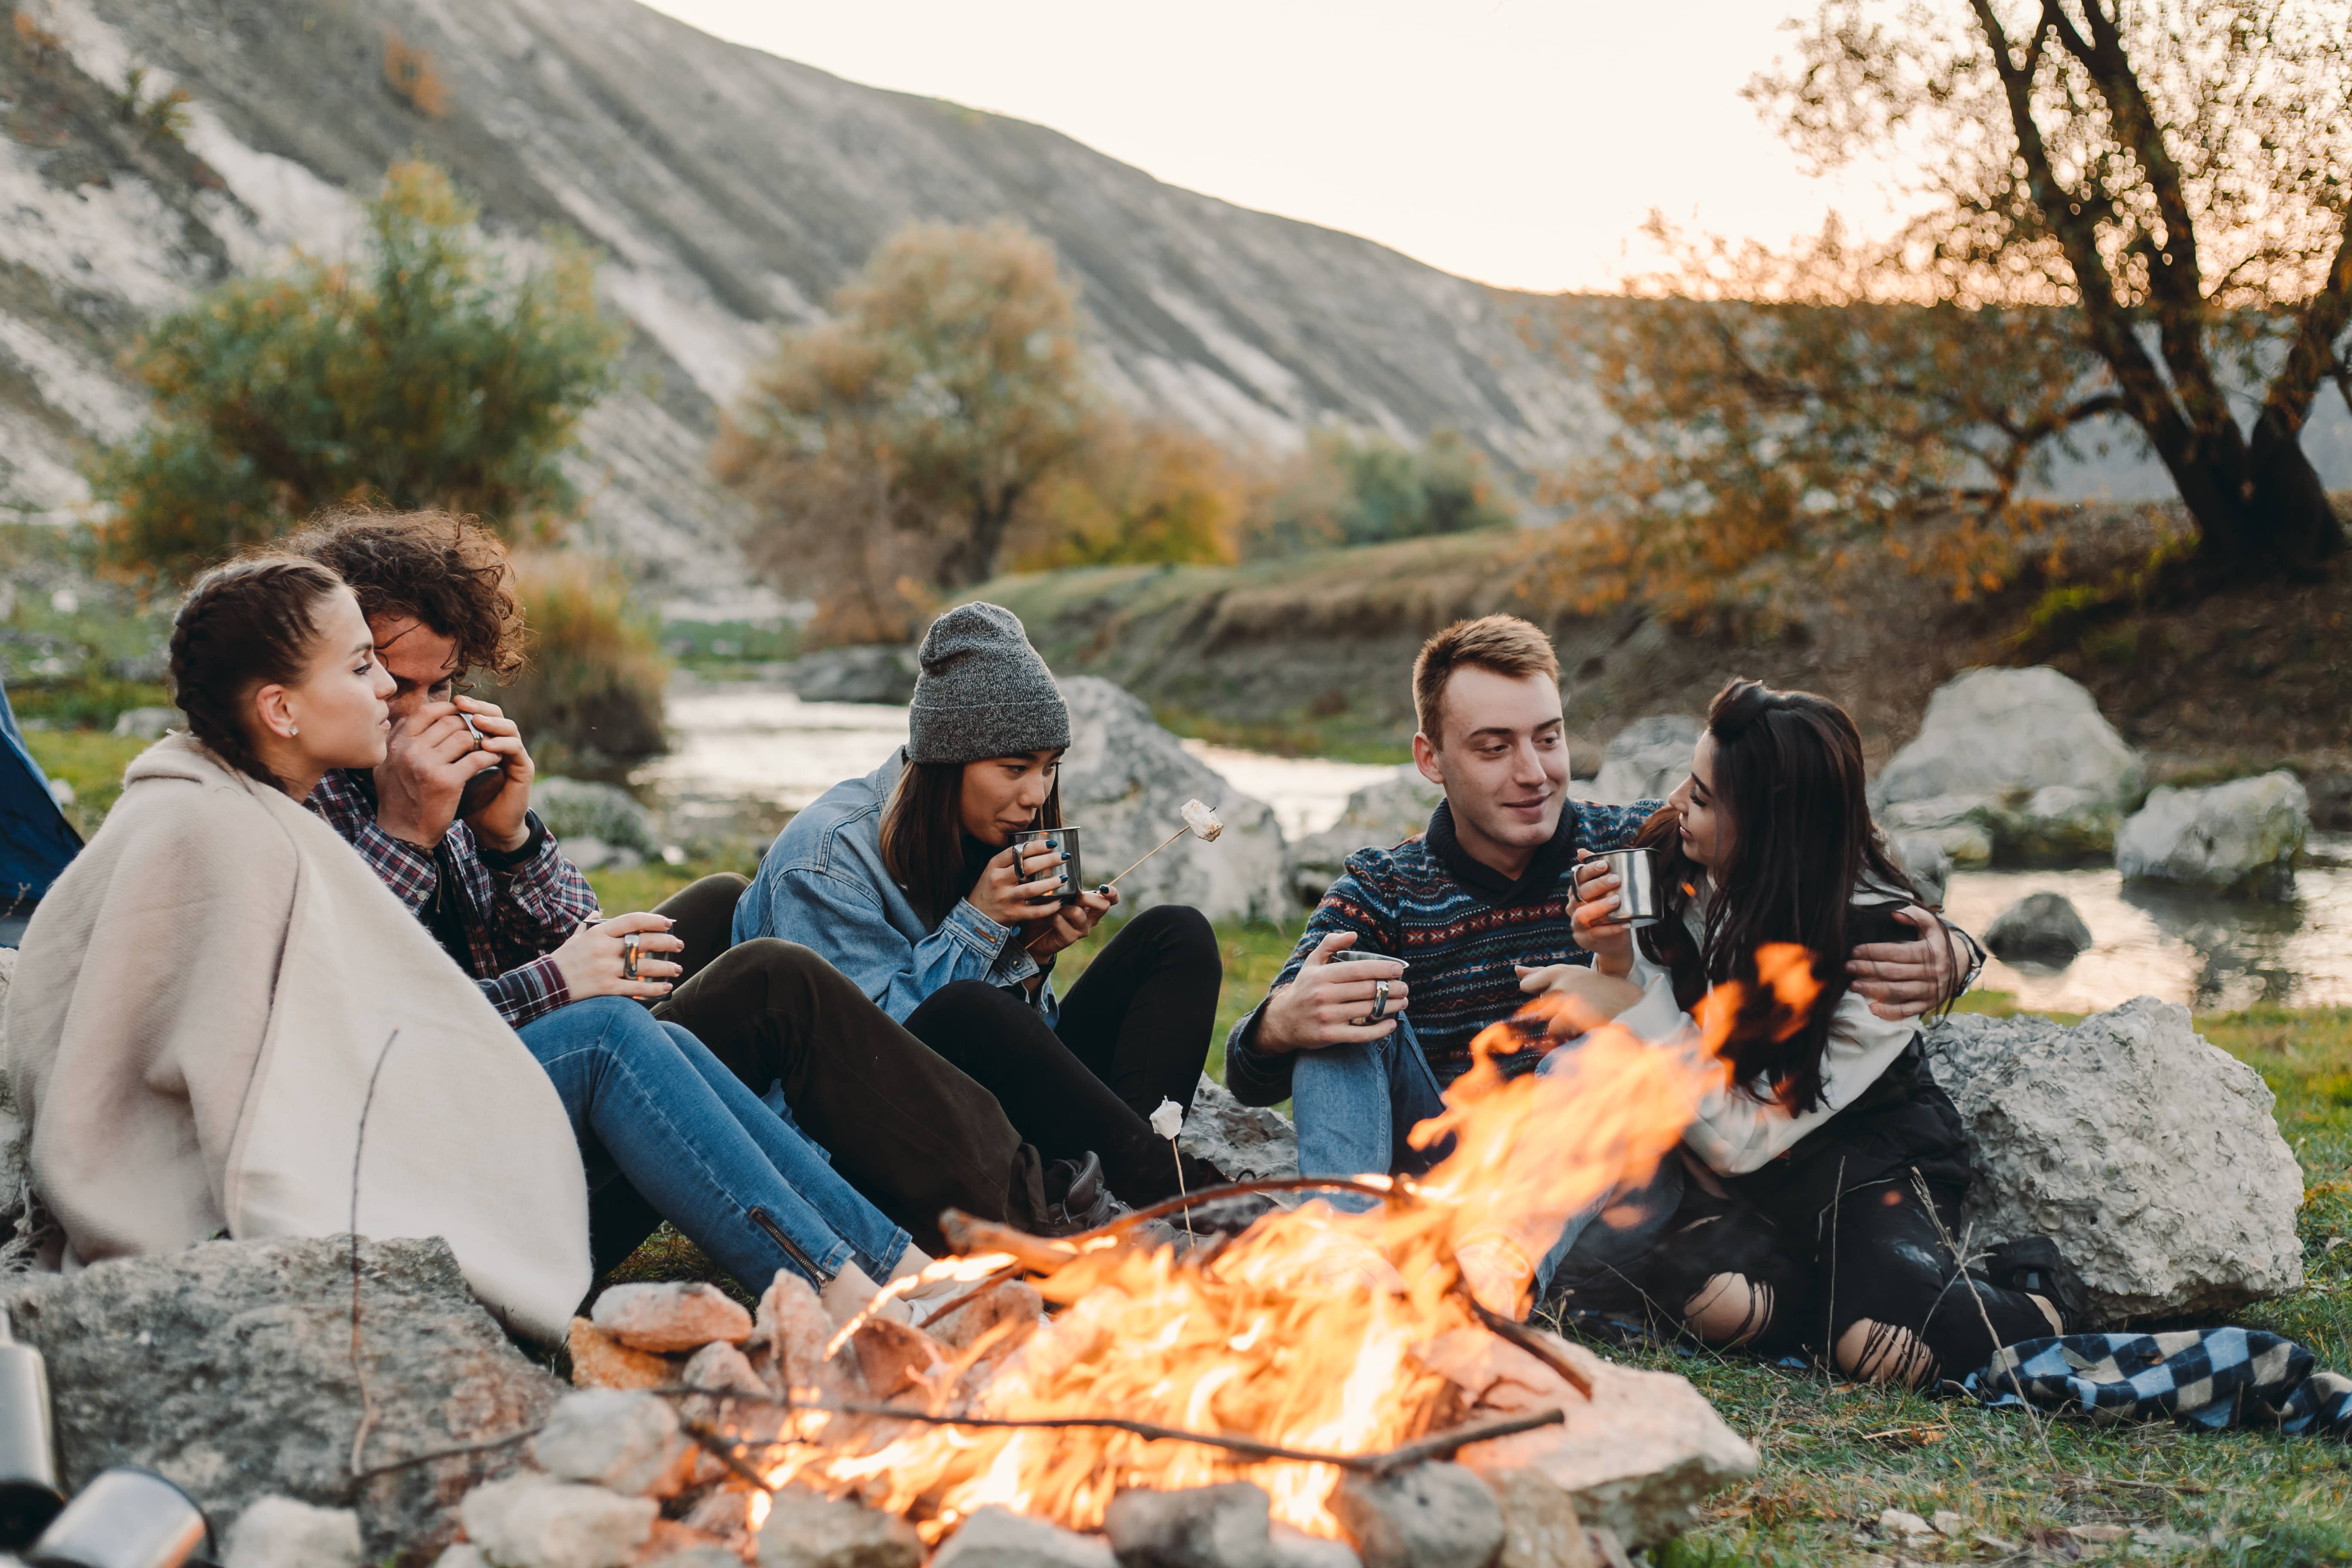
x=750, y=744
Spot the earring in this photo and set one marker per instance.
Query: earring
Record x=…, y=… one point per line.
x=293, y=730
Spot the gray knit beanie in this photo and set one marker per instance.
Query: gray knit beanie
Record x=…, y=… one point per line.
x=982, y=692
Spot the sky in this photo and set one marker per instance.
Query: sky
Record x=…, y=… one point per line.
x=1522, y=142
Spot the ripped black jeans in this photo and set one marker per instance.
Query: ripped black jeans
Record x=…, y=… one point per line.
x=1848, y=1230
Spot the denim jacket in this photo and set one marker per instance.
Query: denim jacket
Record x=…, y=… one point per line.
x=823, y=884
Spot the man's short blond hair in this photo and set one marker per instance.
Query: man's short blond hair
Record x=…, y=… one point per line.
x=1507, y=645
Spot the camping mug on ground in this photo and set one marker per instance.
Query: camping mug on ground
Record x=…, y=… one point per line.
x=1637, y=870
x=1065, y=839
x=30, y=1494
x=126, y=1518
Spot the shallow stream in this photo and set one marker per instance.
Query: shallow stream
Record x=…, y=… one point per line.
x=755, y=749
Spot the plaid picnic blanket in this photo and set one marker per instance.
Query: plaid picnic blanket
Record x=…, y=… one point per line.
x=2200, y=1377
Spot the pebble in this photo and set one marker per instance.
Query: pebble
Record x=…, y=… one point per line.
x=720, y=1368
x=600, y=1361
x=279, y=1532
x=674, y=1315
x=627, y=1442
x=533, y=1522
x=1540, y=1529
x=1227, y=1526
x=1430, y=1516
x=806, y=1530
x=999, y=1537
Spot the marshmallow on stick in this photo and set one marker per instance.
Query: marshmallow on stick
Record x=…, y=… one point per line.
x=1200, y=821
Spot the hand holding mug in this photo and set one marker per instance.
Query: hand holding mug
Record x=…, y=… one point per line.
x=1595, y=922
x=1335, y=1001
x=1021, y=884
x=615, y=958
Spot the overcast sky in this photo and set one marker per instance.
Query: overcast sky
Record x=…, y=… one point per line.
x=1516, y=141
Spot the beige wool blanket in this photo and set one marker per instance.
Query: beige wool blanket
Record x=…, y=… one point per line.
x=200, y=1005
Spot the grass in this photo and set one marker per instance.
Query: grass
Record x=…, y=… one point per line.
x=91, y=761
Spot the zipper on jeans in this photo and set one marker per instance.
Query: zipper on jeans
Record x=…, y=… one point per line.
x=759, y=1218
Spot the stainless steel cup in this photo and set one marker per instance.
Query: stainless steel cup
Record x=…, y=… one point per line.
x=1639, y=902
x=30, y=1492
x=126, y=1518
x=1066, y=841
x=1358, y=955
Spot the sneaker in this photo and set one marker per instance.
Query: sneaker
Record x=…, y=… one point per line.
x=2034, y=1265
x=1075, y=1198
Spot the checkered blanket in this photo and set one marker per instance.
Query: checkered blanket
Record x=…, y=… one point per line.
x=2200, y=1377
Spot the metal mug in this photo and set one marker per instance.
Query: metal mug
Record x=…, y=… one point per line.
x=485, y=786
x=1065, y=839
x=1359, y=955
x=1639, y=899
x=30, y=1492
x=126, y=1518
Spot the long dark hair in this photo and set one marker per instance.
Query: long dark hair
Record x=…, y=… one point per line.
x=1789, y=776
x=922, y=834
x=243, y=626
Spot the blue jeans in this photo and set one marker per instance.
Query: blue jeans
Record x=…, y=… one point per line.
x=1354, y=1104
x=652, y=1108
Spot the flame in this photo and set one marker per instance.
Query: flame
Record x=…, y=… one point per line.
x=1313, y=1329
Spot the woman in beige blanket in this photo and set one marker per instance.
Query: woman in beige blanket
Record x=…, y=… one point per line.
x=223, y=1023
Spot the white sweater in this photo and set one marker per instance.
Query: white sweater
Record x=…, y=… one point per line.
x=1734, y=1133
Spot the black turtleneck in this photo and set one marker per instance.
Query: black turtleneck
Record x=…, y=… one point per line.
x=1491, y=886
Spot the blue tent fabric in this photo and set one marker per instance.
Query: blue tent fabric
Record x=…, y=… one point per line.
x=36, y=839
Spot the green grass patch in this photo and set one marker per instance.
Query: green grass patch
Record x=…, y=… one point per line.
x=91, y=761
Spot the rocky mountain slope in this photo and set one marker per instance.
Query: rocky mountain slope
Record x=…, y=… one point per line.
x=733, y=190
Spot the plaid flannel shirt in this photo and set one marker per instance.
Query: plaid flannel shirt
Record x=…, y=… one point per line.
x=515, y=909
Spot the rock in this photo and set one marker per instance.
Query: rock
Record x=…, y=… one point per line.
x=722, y=1369
x=791, y=1332
x=533, y=1522
x=1923, y=858
x=280, y=1533
x=2057, y=825
x=1540, y=1529
x=625, y=1442
x=2039, y=927
x=892, y=1355
x=877, y=672
x=1647, y=759
x=2150, y=1156
x=1014, y=1301
x=20, y=1222
x=998, y=1538
x=2239, y=838
x=673, y=1315
x=1897, y=1521
x=227, y=1368
x=1430, y=1516
x=144, y=723
x=1992, y=733
x=1638, y=1457
x=1293, y=1548
x=463, y=1554
x=806, y=1530
x=600, y=1361
x=1124, y=780
x=1227, y=1526
x=1951, y=826
x=1378, y=817
x=576, y=809
x=1247, y=1143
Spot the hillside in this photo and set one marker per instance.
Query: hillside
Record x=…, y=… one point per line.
x=1311, y=654
x=733, y=191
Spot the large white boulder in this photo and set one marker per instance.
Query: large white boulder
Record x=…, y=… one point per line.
x=2238, y=837
x=2014, y=765
x=1647, y=759
x=2150, y=1155
x=1378, y=817
x=1124, y=781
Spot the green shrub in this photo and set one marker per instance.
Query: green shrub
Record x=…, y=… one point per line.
x=1348, y=490
x=590, y=701
x=420, y=376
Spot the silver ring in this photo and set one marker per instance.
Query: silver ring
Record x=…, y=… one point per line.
x=1380, y=1000
x=629, y=956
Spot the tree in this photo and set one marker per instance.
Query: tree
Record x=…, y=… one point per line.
x=421, y=375
x=2129, y=212
x=1342, y=489
x=889, y=451
x=1136, y=493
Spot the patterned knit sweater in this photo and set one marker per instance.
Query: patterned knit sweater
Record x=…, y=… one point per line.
x=1460, y=925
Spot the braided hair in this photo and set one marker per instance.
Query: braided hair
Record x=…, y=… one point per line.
x=243, y=626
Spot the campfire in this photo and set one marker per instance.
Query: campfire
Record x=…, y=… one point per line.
x=1316, y=1343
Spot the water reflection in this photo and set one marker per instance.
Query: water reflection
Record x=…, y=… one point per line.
x=2209, y=953
x=749, y=753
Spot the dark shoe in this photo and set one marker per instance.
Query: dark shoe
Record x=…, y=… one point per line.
x=2034, y=1265
x=1075, y=1198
